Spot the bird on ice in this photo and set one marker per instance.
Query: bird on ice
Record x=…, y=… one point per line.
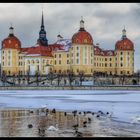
x=52, y=128
x=135, y=119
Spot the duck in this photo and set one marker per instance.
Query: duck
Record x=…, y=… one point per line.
x=52, y=128
x=30, y=125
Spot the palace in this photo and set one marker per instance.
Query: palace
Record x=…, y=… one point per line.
x=78, y=54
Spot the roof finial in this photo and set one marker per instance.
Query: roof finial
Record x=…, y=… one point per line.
x=81, y=24
x=124, y=33
x=11, y=30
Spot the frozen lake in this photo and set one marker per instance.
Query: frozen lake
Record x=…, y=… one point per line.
x=124, y=105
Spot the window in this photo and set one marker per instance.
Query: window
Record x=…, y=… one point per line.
x=59, y=55
x=110, y=65
x=77, y=61
x=67, y=55
x=55, y=62
x=121, y=53
x=9, y=63
x=85, y=40
x=105, y=64
x=59, y=61
x=121, y=64
x=77, y=54
x=9, y=51
x=121, y=72
x=77, y=48
x=127, y=72
x=95, y=64
x=128, y=53
x=91, y=54
x=110, y=59
x=67, y=61
x=77, y=70
x=91, y=61
x=105, y=59
x=121, y=58
x=3, y=57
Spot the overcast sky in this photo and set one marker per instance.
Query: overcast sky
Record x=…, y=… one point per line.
x=104, y=21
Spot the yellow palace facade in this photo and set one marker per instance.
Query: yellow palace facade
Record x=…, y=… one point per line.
x=78, y=54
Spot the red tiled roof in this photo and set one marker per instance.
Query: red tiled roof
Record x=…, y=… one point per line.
x=82, y=37
x=11, y=42
x=124, y=44
x=99, y=51
x=42, y=50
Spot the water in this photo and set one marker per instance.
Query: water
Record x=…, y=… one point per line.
x=123, y=104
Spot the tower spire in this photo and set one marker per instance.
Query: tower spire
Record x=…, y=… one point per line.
x=42, y=34
x=124, y=33
x=42, y=21
x=82, y=24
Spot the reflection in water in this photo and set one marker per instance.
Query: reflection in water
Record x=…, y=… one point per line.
x=14, y=123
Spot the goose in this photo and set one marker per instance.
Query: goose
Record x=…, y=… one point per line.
x=52, y=128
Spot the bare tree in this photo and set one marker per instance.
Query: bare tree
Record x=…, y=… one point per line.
x=138, y=76
x=4, y=78
x=19, y=80
x=51, y=76
x=28, y=77
x=37, y=78
x=71, y=77
x=122, y=79
x=59, y=77
x=81, y=77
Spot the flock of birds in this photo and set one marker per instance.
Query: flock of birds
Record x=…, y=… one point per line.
x=45, y=112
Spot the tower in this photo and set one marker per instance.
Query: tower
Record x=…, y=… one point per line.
x=42, y=34
x=124, y=50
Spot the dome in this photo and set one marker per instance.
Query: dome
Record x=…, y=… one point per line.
x=124, y=43
x=11, y=41
x=82, y=36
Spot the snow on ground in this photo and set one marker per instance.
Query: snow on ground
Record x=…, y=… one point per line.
x=125, y=105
